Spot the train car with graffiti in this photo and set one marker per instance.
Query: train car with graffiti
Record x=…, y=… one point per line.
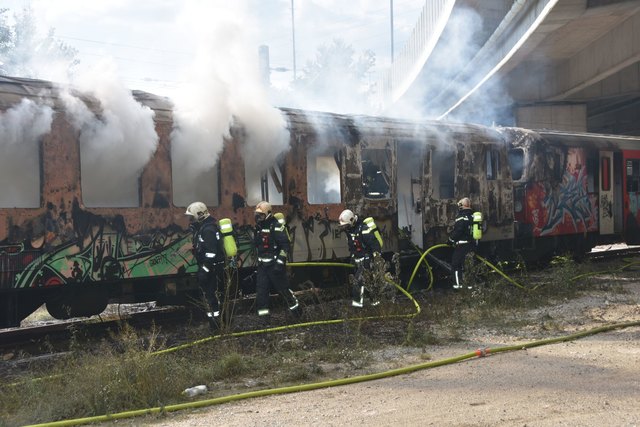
x=573, y=191
x=82, y=224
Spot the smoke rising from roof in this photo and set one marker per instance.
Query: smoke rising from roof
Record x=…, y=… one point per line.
x=116, y=141
x=224, y=88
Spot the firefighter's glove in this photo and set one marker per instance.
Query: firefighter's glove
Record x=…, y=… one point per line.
x=451, y=242
x=281, y=262
x=193, y=227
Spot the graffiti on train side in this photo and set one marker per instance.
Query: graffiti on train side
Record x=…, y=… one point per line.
x=96, y=248
x=110, y=255
x=568, y=208
x=315, y=238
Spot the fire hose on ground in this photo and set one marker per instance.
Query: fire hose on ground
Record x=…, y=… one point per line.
x=356, y=379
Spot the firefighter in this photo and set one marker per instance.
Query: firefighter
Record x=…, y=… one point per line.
x=209, y=252
x=272, y=247
x=364, y=244
x=461, y=239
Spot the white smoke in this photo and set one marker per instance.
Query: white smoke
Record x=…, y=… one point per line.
x=21, y=129
x=117, y=138
x=225, y=87
x=453, y=55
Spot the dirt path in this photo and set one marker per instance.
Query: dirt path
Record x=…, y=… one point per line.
x=593, y=381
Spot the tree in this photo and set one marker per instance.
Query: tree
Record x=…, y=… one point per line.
x=337, y=80
x=26, y=54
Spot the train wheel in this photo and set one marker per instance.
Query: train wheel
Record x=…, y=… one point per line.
x=78, y=302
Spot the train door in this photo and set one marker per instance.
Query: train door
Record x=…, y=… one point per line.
x=631, y=196
x=605, y=197
x=409, y=189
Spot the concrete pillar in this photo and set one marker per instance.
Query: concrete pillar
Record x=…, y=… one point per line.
x=566, y=117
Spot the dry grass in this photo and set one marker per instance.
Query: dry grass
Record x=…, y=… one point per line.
x=123, y=373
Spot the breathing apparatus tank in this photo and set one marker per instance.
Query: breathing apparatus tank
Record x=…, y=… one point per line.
x=476, y=227
x=228, y=241
x=369, y=221
x=283, y=222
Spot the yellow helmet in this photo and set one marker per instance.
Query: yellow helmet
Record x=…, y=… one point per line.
x=198, y=210
x=464, y=203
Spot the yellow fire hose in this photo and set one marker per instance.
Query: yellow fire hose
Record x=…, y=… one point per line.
x=351, y=380
x=333, y=383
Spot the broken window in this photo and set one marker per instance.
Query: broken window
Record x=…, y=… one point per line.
x=444, y=167
x=265, y=185
x=516, y=163
x=323, y=176
x=376, y=173
x=103, y=184
x=190, y=183
x=493, y=164
x=20, y=167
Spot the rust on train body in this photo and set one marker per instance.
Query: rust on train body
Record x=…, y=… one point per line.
x=408, y=175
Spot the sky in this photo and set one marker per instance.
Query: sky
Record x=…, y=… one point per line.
x=153, y=42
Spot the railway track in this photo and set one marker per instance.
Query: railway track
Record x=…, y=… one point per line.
x=33, y=338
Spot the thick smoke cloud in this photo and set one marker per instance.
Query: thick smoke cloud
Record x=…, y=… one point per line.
x=117, y=138
x=225, y=88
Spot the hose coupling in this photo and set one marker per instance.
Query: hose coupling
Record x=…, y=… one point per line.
x=482, y=352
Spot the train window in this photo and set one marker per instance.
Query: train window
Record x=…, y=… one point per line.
x=190, y=184
x=264, y=186
x=493, y=164
x=593, y=174
x=444, y=168
x=20, y=167
x=376, y=173
x=633, y=176
x=606, y=174
x=323, y=177
x=516, y=163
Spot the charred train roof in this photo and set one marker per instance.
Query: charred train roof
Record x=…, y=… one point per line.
x=358, y=126
x=525, y=138
x=14, y=89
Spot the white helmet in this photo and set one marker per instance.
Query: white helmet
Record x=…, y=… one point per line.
x=198, y=210
x=264, y=208
x=464, y=203
x=347, y=217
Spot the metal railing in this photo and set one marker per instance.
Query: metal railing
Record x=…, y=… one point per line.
x=415, y=52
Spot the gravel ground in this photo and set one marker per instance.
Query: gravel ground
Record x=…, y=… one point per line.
x=593, y=381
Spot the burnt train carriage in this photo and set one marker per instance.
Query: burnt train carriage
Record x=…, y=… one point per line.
x=64, y=248
x=77, y=256
x=573, y=191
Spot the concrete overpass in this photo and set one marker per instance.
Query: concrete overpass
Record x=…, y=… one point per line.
x=557, y=64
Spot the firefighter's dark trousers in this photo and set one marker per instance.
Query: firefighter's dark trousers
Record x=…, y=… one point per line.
x=211, y=281
x=273, y=276
x=457, y=262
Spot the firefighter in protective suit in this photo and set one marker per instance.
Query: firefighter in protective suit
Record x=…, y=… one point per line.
x=461, y=239
x=363, y=246
x=272, y=246
x=208, y=250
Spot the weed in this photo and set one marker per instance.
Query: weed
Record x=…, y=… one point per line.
x=123, y=373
